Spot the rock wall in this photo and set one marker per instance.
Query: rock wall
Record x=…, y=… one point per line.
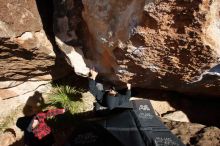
x=25, y=49
x=150, y=43
x=26, y=52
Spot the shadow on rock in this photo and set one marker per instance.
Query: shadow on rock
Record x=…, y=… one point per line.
x=33, y=104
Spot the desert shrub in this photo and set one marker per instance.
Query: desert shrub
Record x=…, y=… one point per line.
x=66, y=97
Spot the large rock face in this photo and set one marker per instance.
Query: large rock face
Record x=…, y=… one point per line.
x=151, y=43
x=16, y=17
x=27, y=56
x=25, y=49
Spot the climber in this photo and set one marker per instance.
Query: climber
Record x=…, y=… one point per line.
x=108, y=98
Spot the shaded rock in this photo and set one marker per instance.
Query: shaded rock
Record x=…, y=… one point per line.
x=27, y=50
x=67, y=22
x=20, y=64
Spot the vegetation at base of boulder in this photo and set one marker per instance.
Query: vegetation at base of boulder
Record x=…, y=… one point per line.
x=66, y=97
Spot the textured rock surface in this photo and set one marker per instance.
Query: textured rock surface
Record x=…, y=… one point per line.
x=208, y=136
x=161, y=107
x=163, y=44
x=150, y=43
x=21, y=16
x=26, y=52
x=195, y=134
x=23, y=60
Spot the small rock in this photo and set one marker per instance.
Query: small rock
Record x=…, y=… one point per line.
x=177, y=116
x=161, y=107
x=7, y=139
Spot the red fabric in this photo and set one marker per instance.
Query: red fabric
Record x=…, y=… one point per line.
x=42, y=129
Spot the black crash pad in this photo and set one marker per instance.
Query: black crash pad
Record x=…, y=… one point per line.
x=127, y=127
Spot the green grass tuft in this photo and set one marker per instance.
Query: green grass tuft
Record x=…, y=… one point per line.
x=67, y=97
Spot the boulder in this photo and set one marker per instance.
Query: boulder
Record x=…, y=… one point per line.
x=169, y=45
